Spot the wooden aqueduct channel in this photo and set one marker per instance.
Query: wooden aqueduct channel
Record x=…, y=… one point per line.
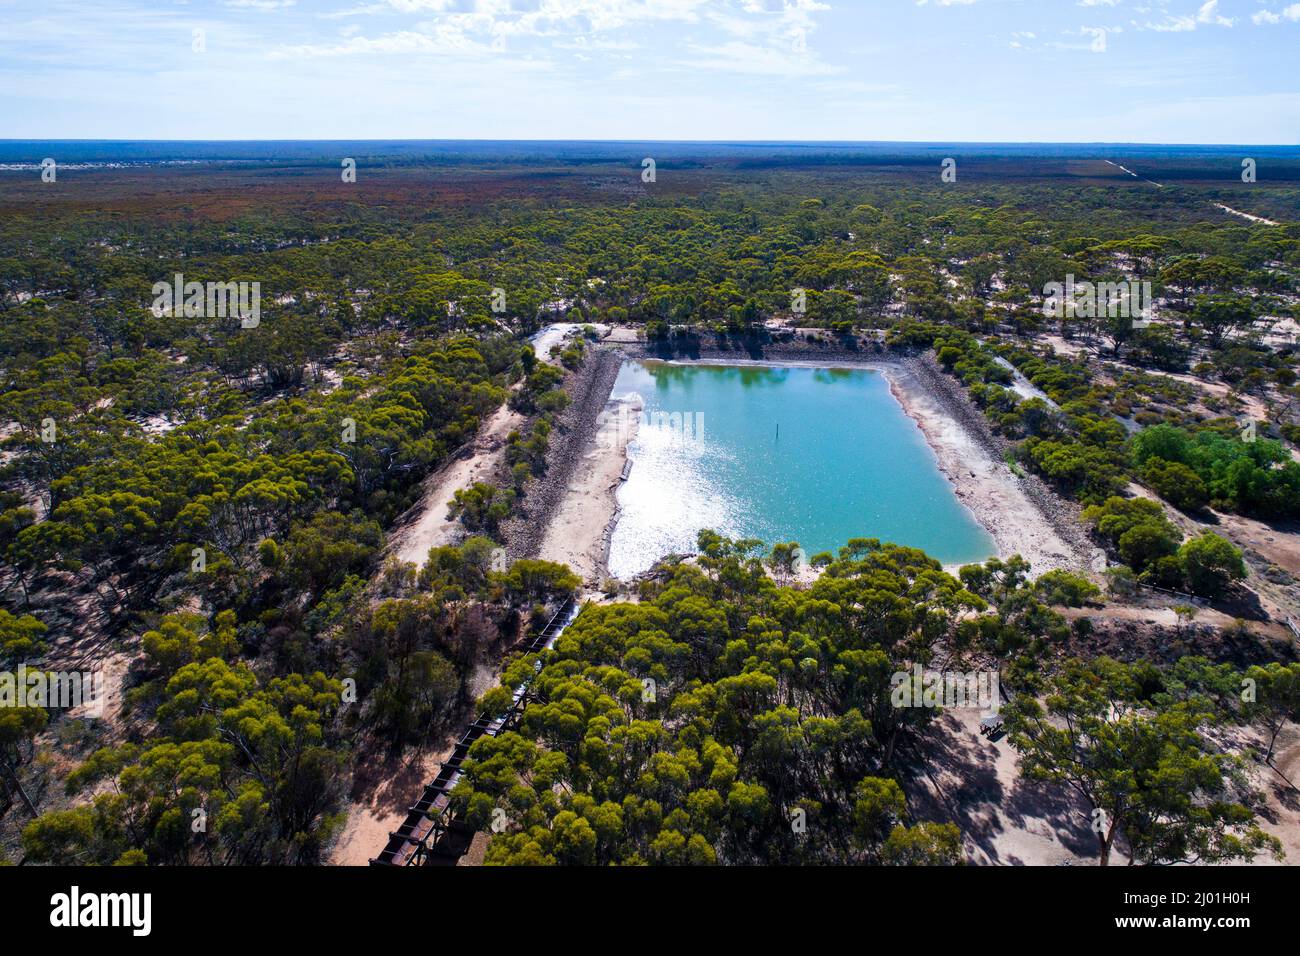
x=432, y=834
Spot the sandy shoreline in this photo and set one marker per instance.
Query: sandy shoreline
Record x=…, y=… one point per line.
x=579, y=529
x=555, y=521
x=579, y=525
x=982, y=482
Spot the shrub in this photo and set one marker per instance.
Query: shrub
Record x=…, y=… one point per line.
x=1210, y=564
x=1136, y=527
x=1066, y=588
x=1176, y=483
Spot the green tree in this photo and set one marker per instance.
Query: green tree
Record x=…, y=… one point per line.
x=21, y=638
x=1275, y=699
x=1210, y=564
x=1143, y=770
x=482, y=506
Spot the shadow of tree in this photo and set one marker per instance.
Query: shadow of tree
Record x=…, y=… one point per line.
x=952, y=776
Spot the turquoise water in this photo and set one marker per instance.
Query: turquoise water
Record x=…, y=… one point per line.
x=814, y=455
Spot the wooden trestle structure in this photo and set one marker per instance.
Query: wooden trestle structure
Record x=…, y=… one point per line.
x=430, y=820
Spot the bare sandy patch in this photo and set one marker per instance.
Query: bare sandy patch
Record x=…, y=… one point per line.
x=1280, y=547
x=377, y=805
x=1062, y=346
x=555, y=336
x=957, y=775
x=428, y=523
x=1280, y=784
x=1246, y=215
x=625, y=335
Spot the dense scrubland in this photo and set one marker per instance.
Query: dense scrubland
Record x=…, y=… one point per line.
x=204, y=506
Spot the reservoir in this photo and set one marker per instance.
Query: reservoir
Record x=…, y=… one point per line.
x=779, y=453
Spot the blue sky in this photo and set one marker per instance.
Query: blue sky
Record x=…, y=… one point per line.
x=1222, y=71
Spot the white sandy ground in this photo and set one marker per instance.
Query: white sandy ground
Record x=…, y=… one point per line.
x=1246, y=215
x=558, y=333
x=1135, y=175
x=625, y=334
x=428, y=523
x=1062, y=347
x=578, y=531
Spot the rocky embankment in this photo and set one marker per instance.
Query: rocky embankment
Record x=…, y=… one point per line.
x=576, y=428
x=789, y=350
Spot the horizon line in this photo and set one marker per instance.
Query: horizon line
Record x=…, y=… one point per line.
x=700, y=142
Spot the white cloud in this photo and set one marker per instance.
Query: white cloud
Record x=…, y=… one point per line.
x=768, y=37
x=258, y=4
x=736, y=56
x=1291, y=13
x=1207, y=14
x=403, y=41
